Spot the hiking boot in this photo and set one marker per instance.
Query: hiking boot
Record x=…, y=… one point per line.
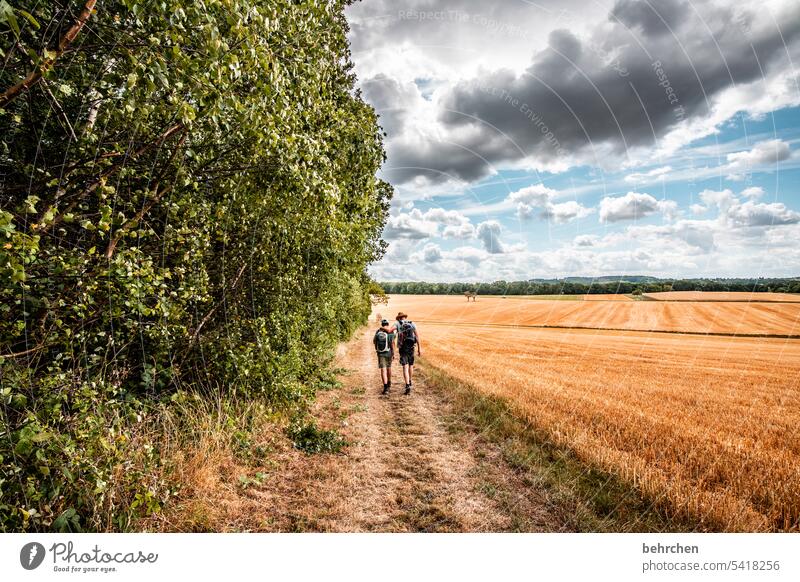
x=385, y=389
x=407, y=390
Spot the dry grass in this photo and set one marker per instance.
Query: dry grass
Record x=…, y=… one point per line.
x=698, y=317
x=211, y=449
x=706, y=426
x=723, y=296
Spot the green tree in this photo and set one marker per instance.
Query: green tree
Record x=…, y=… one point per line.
x=188, y=198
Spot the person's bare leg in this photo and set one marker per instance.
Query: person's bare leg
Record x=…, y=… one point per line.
x=385, y=375
x=408, y=372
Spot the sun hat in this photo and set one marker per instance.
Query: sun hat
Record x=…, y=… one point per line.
x=401, y=315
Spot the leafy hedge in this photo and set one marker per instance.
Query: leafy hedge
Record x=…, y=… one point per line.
x=187, y=200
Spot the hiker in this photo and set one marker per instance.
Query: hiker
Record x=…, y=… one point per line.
x=407, y=338
x=384, y=347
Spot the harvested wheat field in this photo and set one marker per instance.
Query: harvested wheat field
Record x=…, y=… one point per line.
x=723, y=296
x=740, y=318
x=706, y=426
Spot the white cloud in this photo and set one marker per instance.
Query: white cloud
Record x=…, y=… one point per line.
x=463, y=231
x=765, y=152
x=735, y=213
x=525, y=211
x=669, y=208
x=721, y=199
x=757, y=214
x=652, y=175
x=411, y=225
x=585, y=240
x=418, y=225
x=753, y=192
x=696, y=234
x=431, y=253
x=489, y=234
x=633, y=206
x=536, y=195
x=469, y=255
x=530, y=198
x=698, y=209
x=565, y=212
x=399, y=251
x=447, y=217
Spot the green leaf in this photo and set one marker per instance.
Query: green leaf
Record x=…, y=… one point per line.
x=7, y=16
x=30, y=203
x=29, y=17
x=67, y=522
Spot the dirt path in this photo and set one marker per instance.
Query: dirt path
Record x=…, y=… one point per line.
x=411, y=465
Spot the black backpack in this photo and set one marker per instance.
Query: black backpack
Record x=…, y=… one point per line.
x=382, y=343
x=409, y=335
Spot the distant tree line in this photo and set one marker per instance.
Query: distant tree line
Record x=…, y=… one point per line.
x=566, y=287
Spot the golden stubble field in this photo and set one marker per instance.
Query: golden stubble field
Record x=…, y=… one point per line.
x=707, y=426
x=726, y=317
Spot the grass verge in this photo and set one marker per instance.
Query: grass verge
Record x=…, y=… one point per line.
x=214, y=452
x=591, y=500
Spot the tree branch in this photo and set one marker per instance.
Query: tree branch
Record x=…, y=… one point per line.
x=213, y=310
x=35, y=76
x=99, y=180
x=59, y=110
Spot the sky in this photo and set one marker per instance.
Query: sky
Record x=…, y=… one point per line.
x=585, y=138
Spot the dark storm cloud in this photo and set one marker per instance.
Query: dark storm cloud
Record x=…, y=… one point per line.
x=385, y=94
x=639, y=75
x=438, y=161
x=651, y=18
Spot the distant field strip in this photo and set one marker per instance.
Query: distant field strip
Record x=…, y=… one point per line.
x=723, y=296
x=728, y=318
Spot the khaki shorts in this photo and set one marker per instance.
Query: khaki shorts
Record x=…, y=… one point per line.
x=384, y=360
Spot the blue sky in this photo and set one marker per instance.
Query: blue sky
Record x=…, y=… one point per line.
x=619, y=138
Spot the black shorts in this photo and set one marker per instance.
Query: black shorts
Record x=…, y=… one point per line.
x=406, y=357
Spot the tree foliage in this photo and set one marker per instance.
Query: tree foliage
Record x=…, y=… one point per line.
x=188, y=198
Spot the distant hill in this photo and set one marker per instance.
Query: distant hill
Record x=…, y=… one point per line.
x=602, y=279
